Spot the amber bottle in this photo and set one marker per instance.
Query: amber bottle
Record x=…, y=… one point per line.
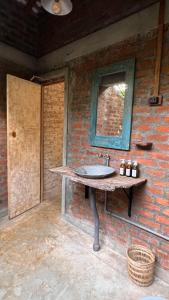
x=123, y=167
x=134, y=172
x=128, y=168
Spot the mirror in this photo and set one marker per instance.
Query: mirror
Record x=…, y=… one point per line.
x=110, y=108
x=112, y=94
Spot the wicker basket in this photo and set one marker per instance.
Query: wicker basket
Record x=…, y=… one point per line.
x=141, y=262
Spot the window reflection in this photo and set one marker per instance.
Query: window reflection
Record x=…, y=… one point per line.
x=110, y=108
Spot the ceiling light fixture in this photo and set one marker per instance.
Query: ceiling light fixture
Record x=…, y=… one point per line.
x=57, y=7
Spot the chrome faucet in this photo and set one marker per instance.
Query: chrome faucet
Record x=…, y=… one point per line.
x=106, y=157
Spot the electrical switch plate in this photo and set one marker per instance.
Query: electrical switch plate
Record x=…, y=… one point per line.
x=155, y=100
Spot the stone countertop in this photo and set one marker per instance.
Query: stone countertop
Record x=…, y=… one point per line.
x=107, y=184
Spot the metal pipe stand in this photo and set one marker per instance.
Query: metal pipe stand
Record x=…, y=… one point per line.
x=92, y=198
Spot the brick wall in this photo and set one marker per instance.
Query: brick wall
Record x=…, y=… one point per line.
x=151, y=202
x=109, y=112
x=53, y=102
x=6, y=68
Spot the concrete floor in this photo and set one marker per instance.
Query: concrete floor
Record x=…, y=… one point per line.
x=44, y=257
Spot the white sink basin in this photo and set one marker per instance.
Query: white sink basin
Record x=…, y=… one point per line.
x=94, y=171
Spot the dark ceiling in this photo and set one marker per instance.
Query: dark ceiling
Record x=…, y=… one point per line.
x=27, y=27
x=18, y=27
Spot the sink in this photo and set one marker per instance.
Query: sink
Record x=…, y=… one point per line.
x=94, y=171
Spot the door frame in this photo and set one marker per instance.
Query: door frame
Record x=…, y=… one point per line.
x=49, y=78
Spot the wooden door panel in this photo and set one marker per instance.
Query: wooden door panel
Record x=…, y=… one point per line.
x=23, y=122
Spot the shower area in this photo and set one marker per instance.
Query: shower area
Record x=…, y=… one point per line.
x=53, y=133
x=31, y=142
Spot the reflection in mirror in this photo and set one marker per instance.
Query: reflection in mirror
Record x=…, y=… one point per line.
x=110, y=106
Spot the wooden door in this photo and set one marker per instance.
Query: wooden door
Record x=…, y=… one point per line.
x=23, y=132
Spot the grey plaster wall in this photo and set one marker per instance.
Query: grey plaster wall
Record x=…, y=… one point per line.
x=137, y=24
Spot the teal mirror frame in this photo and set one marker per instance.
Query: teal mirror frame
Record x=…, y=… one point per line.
x=121, y=142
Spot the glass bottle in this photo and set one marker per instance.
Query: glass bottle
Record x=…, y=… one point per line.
x=128, y=168
x=123, y=167
x=134, y=172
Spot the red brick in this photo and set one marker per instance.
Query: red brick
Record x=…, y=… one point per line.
x=53, y=135
x=137, y=153
x=160, y=156
x=147, y=162
x=144, y=213
x=143, y=128
x=162, y=147
x=148, y=199
x=151, y=207
x=141, y=109
x=149, y=223
x=166, y=119
x=151, y=119
x=162, y=109
x=162, y=254
x=164, y=165
x=163, y=128
x=165, y=230
x=164, y=264
x=3, y=162
x=136, y=136
x=145, y=64
x=158, y=137
x=157, y=173
x=77, y=125
x=161, y=184
x=162, y=220
x=155, y=190
x=165, y=247
x=166, y=212
x=165, y=69
x=138, y=241
x=162, y=201
x=154, y=242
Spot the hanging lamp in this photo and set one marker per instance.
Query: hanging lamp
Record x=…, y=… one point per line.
x=57, y=7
